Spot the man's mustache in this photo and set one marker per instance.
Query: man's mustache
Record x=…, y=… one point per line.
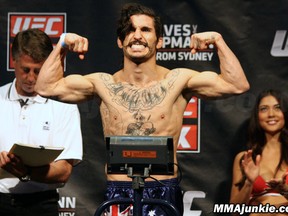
x=137, y=43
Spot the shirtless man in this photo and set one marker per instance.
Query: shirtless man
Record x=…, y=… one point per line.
x=142, y=98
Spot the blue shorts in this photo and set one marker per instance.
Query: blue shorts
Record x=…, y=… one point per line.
x=170, y=191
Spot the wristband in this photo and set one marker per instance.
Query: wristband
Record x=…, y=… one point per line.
x=62, y=40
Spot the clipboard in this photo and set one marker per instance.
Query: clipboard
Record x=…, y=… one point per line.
x=33, y=155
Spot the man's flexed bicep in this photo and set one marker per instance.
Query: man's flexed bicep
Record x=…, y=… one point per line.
x=232, y=79
x=51, y=81
x=73, y=89
x=208, y=84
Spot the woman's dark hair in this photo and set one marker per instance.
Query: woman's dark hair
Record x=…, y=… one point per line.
x=128, y=10
x=32, y=42
x=256, y=134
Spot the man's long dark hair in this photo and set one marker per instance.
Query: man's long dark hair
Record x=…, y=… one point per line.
x=128, y=10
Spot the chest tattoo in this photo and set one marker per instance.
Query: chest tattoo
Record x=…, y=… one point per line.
x=139, y=99
x=134, y=98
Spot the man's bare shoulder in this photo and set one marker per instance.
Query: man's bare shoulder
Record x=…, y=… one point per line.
x=165, y=72
x=99, y=76
x=187, y=71
x=183, y=73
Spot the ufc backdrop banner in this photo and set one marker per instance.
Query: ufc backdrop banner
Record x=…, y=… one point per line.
x=213, y=131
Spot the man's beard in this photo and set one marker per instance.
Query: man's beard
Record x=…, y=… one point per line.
x=138, y=60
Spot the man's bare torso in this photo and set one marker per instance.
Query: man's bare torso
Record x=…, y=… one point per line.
x=155, y=109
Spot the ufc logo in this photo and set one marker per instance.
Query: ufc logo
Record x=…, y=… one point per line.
x=190, y=132
x=51, y=24
x=188, y=198
x=42, y=23
x=280, y=44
